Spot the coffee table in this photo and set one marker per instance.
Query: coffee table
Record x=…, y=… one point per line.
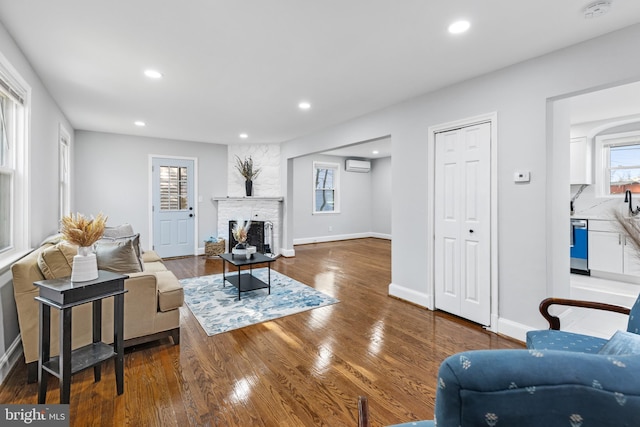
x=246, y=282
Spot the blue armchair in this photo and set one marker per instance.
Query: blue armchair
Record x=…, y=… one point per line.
x=532, y=388
x=555, y=339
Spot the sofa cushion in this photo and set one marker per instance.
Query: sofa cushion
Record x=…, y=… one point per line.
x=57, y=260
x=561, y=340
x=118, y=256
x=170, y=293
x=622, y=342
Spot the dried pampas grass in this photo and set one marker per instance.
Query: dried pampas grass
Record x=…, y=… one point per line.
x=82, y=231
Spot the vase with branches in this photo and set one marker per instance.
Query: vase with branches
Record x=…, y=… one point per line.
x=83, y=232
x=248, y=171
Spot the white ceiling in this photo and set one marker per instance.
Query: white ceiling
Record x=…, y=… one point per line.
x=243, y=66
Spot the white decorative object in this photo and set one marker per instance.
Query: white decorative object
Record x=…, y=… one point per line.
x=85, y=265
x=247, y=252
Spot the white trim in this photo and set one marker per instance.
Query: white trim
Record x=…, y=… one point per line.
x=21, y=181
x=196, y=204
x=491, y=118
x=602, y=161
x=64, y=140
x=409, y=294
x=513, y=329
x=336, y=187
x=338, y=237
x=10, y=358
x=287, y=253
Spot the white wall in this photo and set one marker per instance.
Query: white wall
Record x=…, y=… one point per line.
x=112, y=177
x=529, y=216
x=45, y=120
x=267, y=158
x=354, y=219
x=381, y=174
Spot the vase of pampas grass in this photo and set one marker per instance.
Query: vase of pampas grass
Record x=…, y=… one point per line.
x=83, y=232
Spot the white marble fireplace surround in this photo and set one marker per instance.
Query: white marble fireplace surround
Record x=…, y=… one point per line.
x=254, y=208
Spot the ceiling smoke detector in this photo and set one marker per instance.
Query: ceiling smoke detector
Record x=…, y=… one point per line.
x=597, y=9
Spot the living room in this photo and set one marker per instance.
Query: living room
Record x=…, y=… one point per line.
x=529, y=263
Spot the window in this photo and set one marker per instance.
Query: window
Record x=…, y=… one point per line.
x=13, y=163
x=326, y=178
x=619, y=157
x=65, y=172
x=173, y=188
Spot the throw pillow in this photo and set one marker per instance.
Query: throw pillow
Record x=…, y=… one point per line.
x=622, y=342
x=57, y=261
x=118, y=256
x=135, y=239
x=124, y=230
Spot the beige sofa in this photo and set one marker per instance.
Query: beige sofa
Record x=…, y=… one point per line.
x=151, y=305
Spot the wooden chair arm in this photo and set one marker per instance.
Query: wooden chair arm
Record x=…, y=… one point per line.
x=554, y=321
x=363, y=412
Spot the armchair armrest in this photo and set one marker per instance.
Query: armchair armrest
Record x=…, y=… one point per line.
x=554, y=321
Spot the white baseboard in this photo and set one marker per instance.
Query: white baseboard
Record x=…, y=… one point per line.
x=9, y=359
x=410, y=295
x=338, y=237
x=513, y=329
x=380, y=236
x=287, y=253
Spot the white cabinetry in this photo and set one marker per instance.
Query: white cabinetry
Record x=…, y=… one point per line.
x=606, y=252
x=580, y=154
x=609, y=250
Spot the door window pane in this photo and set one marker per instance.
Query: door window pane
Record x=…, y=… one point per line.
x=173, y=188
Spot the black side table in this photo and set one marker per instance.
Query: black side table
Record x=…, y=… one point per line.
x=64, y=294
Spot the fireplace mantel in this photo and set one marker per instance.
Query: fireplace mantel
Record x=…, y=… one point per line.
x=266, y=209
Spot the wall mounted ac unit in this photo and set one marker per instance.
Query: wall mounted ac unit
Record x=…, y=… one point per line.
x=353, y=165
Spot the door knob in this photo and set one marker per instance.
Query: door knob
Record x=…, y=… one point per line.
x=190, y=215
x=470, y=231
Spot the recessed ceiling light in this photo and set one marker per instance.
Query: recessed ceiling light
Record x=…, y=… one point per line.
x=304, y=105
x=243, y=136
x=459, y=27
x=153, y=74
x=139, y=123
x=376, y=152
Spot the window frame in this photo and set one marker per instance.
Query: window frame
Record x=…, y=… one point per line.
x=16, y=89
x=64, y=172
x=336, y=187
x=603, y=146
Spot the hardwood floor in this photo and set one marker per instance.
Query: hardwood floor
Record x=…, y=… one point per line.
x=306, y=369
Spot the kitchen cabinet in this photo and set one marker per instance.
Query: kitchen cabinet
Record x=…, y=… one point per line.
x=581, y=164
x=606, y=252
x=610, y=251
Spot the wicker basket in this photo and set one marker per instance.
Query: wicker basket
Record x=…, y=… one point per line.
x=214, y=248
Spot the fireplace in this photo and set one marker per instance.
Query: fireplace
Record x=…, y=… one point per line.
x=255, y=236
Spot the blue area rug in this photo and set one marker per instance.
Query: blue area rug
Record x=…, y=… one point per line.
x=218, y=310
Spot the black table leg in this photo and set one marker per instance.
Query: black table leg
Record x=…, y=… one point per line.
x=118, y=340
x=269, y=275
x=224, y=276
x=97, y=334
x=65, y=355
x=239, y=284
x=45, y=348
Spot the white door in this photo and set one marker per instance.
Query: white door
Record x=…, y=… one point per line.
x=462, y=257
x=173, y=213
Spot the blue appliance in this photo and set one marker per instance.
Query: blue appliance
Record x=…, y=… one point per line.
x=580, y=246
